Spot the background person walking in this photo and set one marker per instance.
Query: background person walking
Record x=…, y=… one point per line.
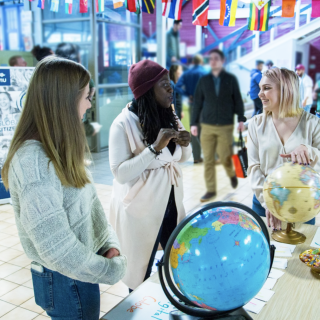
x=186, y=86
x=217, y=99
x=256, y=76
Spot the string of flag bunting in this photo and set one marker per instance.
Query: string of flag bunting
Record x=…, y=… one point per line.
x=258, y=17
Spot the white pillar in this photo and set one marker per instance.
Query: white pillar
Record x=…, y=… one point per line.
x=170, y=23
x=297, y=21
x=238, y=52
x=256, y=40
x=221, y=46
x=271, y=34
x=37, y=24
x=309, y=15
x=161, y=35
x=198, y=38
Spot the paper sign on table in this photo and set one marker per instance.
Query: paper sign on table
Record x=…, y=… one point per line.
x=316, y=240
x=270, y=283
x=254, y=306
x=264, y=295
x=280, y=263
x=159, y=254
x=275, y=274
x=282, y=252
x=147, y=302
x=280, y=245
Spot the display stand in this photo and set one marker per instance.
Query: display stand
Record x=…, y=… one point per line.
x=4, y=194
x=289, y=235
x=14, y=83
x=239, y=314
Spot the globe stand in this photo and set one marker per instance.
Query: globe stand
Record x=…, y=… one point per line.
x=289, y=236
x=239, y=314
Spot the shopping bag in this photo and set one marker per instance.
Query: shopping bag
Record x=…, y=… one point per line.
x=240, y=160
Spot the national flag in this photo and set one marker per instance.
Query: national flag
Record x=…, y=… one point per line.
x=315, y=13
x=131, y=5
x=200, y=12
x=148, y=6
x=288, y=8
x=83, y=6
x=118, y=3
x=54, y=5
x=172, y=9
x=228, y=10
x=259, y=19
x=68, y=6
x=41, y=4
x=99, y=5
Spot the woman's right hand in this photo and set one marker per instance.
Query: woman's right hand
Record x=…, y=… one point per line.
x=164, y=137
x=272, y=221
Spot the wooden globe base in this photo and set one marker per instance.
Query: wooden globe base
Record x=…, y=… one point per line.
x=289, y=236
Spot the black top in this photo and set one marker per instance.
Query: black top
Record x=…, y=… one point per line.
x=217, y=109
x=134, y=108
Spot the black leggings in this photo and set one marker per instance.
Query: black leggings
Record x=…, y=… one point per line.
x=169, y=223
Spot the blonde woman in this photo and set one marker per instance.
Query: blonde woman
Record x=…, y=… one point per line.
x=283, y=132
x=61, y=223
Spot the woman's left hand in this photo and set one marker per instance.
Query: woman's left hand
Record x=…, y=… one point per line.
x=183, y=139
x=299, y=155
x=111, y=253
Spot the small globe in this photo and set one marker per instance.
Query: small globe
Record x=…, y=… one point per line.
x=220, y=259
x=292, y=192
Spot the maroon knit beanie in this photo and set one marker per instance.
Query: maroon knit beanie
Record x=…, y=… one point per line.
x=143, y=76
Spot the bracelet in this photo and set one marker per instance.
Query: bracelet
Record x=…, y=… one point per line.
x=153, y=150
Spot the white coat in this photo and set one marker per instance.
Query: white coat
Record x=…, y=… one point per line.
x=141, y=191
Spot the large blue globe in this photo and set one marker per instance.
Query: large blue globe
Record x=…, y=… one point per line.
x=220, y=259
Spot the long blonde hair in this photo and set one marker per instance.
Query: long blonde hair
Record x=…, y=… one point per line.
x=288, y=83
x=51, y=115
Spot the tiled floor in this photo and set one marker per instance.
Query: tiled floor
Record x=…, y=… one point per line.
x=16, y=293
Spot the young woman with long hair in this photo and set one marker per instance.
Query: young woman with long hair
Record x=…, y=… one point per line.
x=61, y=222
x=147, y=143
x=284, y=131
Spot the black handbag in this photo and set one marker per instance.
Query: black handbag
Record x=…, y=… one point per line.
x=240, y=160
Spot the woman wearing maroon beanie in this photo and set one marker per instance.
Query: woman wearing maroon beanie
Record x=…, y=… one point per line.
x=147, y=141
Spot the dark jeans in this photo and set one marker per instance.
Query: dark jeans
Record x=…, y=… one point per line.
x=258, y=107
x=259, y=209
x=169, y=223
x=64, y=298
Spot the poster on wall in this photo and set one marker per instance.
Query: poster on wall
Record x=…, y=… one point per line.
x=13, y=87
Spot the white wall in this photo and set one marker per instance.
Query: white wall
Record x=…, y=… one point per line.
x=282, y=53
x=304, y=49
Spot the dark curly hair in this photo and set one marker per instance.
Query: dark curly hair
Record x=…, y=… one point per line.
x=40, y=53
x=152, y=117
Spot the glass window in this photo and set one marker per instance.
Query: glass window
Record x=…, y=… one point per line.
x=75, y=32
x=111, y=103
x=120, y=14
x=49, y=15
x=284, y=28
x=117, y=51
x=12, y=28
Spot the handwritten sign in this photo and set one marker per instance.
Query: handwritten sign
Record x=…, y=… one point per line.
x=316, y=240
x=148, y=302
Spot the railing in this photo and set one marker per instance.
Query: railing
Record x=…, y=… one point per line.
x=238, y=33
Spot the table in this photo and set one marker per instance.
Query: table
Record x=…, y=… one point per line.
x=297, y=292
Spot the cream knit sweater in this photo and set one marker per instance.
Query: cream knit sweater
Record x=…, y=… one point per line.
x=62, y=228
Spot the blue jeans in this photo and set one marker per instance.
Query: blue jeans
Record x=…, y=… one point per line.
x=64, y=298
x=307, y=107
x=259, y=209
